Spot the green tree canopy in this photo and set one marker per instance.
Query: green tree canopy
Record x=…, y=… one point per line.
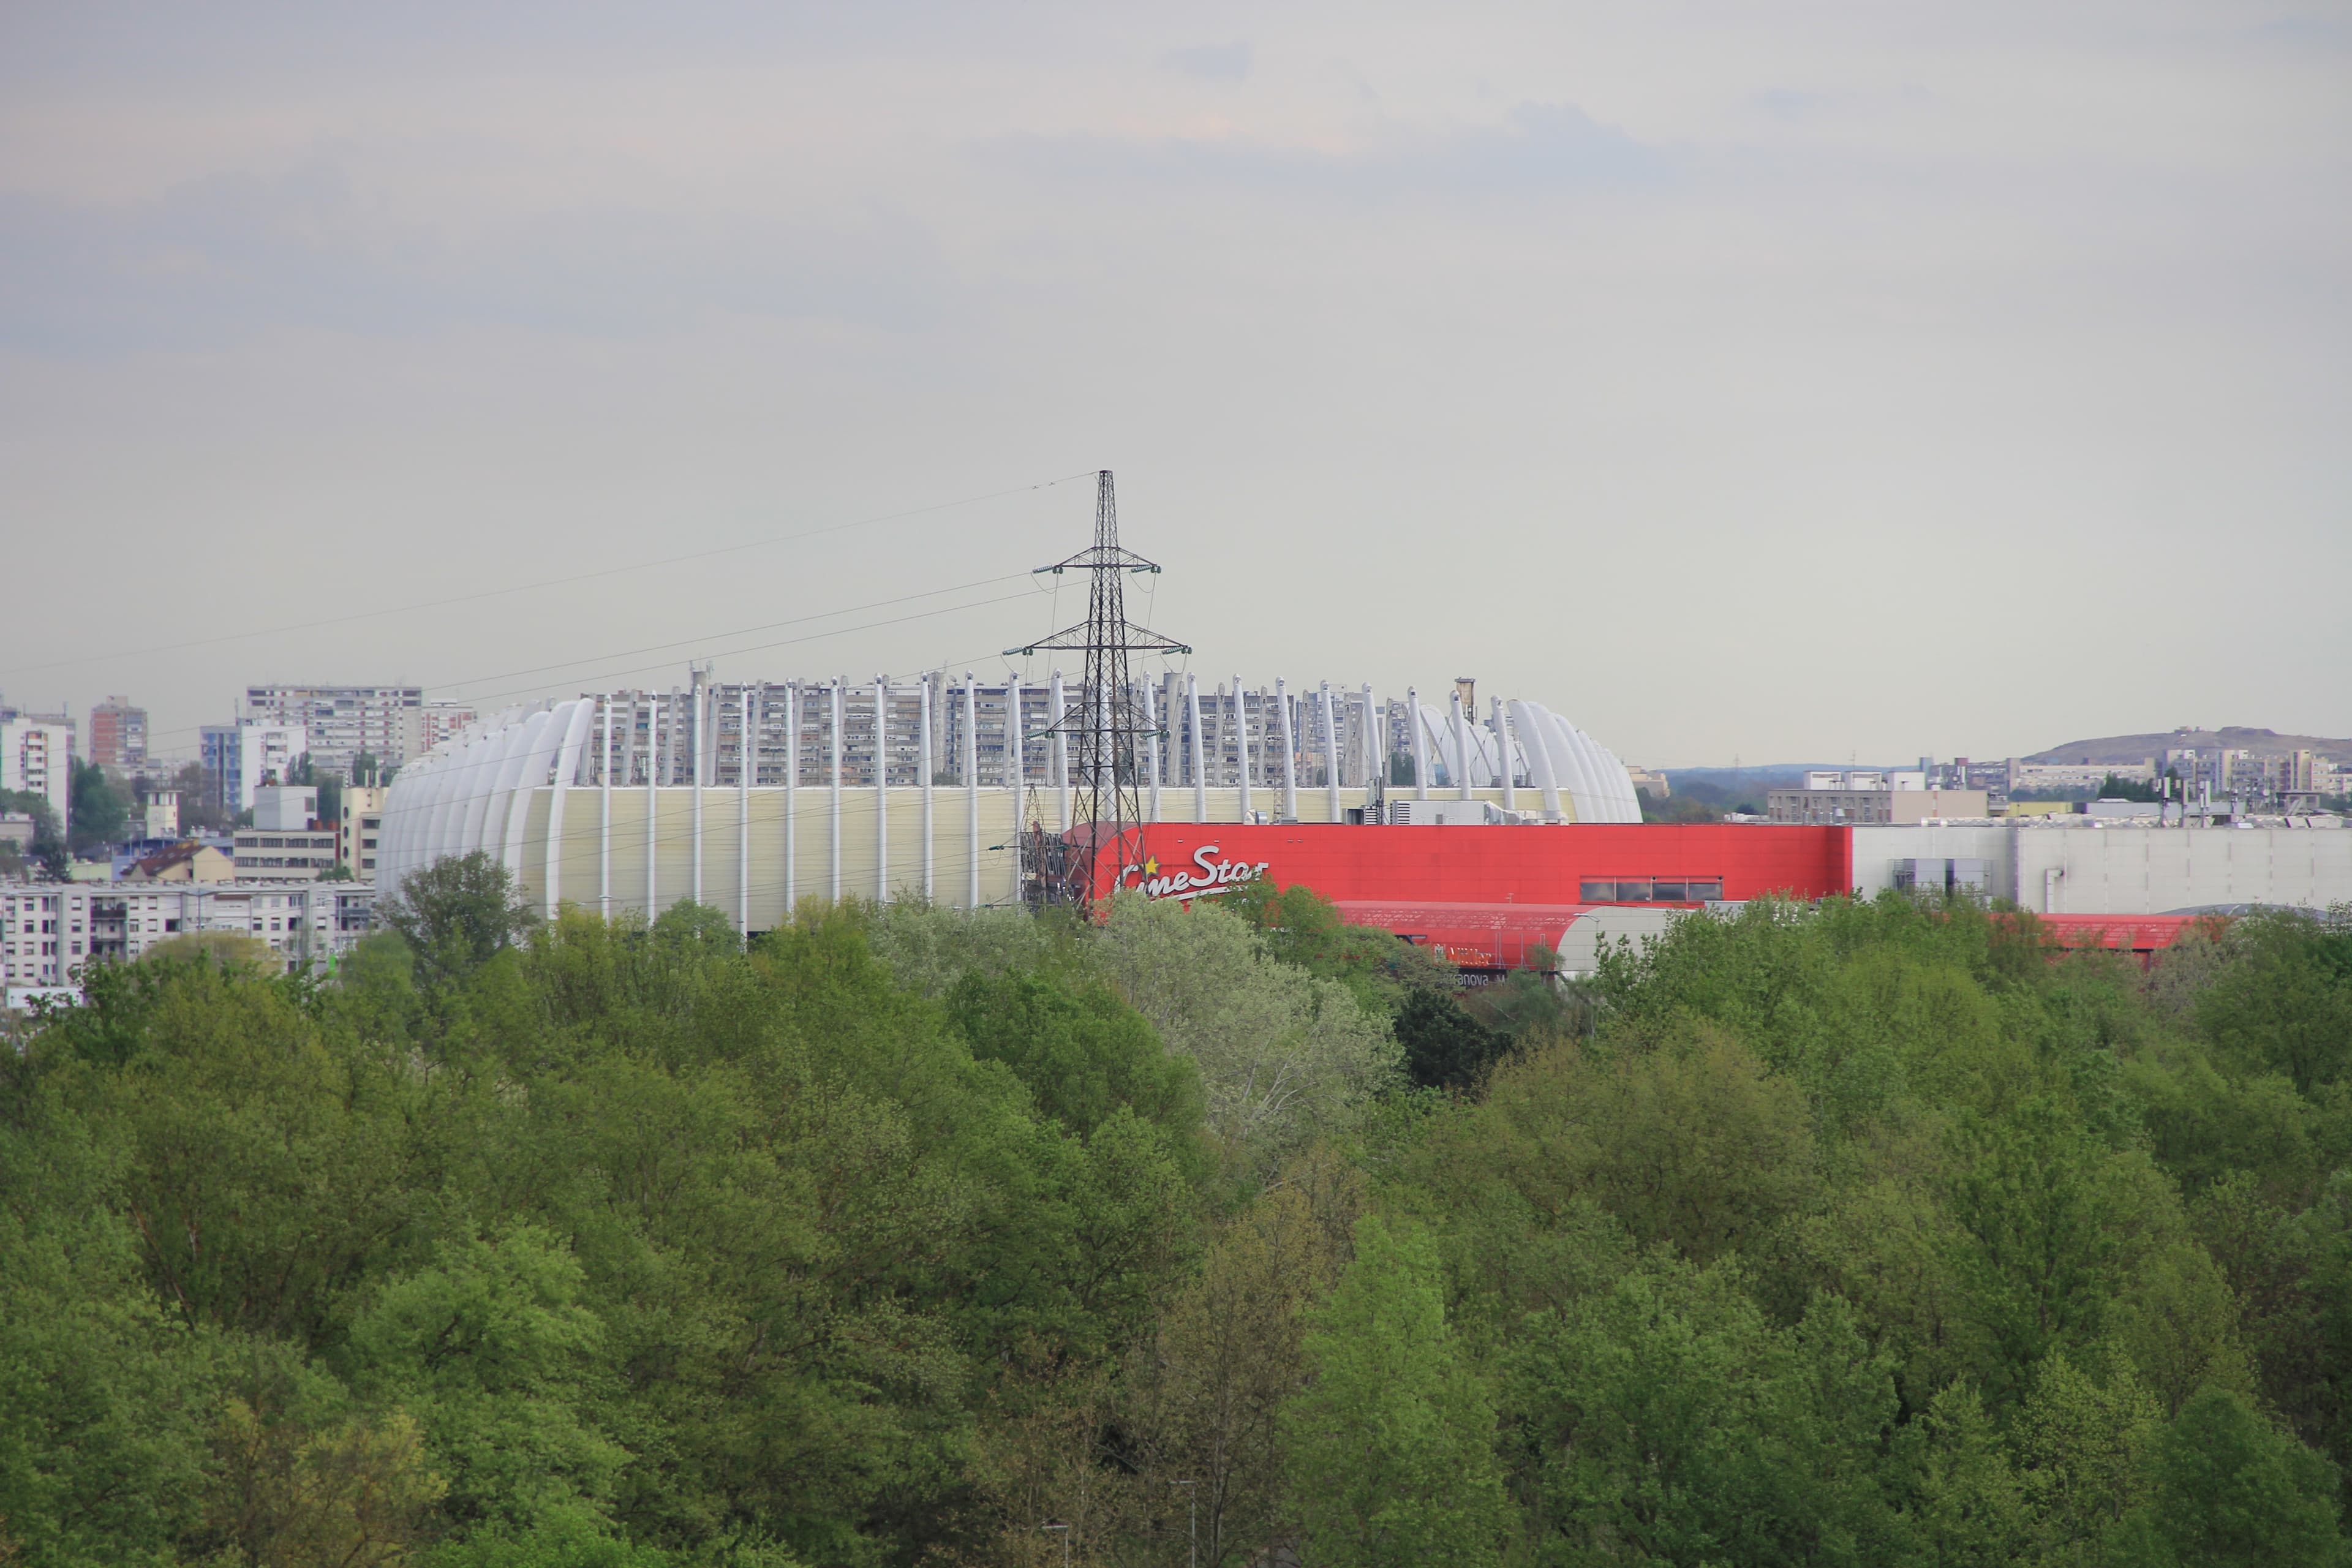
x=1392, y=1444
x=97, y=814
x=456, y=915
x=1867, y=1232
x=2230, y=1491
x=47, y=850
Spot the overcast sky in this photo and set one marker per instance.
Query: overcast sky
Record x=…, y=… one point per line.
x=1789, y=381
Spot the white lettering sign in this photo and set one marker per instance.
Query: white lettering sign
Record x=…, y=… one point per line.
x=1209, y=876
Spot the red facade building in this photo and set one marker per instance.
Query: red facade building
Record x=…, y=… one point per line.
x=1627, y=863
x=1486, y=897
x=1483, y=897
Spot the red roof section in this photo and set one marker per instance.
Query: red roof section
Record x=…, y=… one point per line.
x=2131, y=933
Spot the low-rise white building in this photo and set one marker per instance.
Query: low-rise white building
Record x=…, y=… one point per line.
x=50, y=932
x=159, y=815
x=2084, y=866
x=292, y=806
x=277, y=854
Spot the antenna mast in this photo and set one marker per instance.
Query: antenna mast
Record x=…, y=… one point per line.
x=1103, y=719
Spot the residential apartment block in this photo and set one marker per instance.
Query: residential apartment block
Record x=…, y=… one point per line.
x=1871, y=797
x=339, y=722
x=277, y=854
x=49, y=932
x=37, y=756
x=118, y=734
x=361, y=829
x=241, y=758
x=428, y=725
x=2025, y=776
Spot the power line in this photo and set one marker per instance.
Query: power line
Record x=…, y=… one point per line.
x=346, y=618
x=789, y=642
x=488, y=697
x=683, y=836
x=747, y=631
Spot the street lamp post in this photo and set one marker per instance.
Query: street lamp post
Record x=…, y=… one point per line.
x=1065, y=1541
x=1192, y=1501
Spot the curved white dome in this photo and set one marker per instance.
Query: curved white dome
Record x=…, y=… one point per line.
x=501, y=787
x=1594, y=787
x=473, y=792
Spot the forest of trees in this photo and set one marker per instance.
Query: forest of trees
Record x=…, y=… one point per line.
x=1877, y=1232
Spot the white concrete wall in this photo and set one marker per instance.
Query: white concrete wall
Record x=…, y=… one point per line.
x=2156, y=870
x=2119, y=869
x=1580, y=950
x=744, y=875
x=584, y=848
x=1876, y=850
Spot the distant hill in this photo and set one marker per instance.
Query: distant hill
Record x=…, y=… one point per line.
x=2235, y=737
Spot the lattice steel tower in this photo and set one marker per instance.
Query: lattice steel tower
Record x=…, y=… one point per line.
x=1105, y=722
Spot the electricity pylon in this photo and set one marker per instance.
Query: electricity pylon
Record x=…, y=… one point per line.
x=1104, y=722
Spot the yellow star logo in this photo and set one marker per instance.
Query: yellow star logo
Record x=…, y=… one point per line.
x=1151, y=865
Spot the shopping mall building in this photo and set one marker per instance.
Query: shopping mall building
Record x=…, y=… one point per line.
x=1487, y=834
x=752, y=798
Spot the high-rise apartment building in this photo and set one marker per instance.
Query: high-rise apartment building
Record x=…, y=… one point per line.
x=241, y=758
x=429, y=724
x=339, y=722
x=37, y=756
x=118, y=734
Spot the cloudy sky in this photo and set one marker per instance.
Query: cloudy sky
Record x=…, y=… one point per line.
x=1790, y=381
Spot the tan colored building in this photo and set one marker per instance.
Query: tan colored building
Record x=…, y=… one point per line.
x=182, y=863
x=1873, y=807
x=362, y=825
x=159, y=814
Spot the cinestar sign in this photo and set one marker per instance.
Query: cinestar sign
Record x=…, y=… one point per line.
x=1210, y=876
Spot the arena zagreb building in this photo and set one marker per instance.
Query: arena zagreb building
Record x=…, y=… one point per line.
x=750, y=797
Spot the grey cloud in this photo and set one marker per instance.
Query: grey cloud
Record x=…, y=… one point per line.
x=1790, y=104
x=213, y=260
x=2305, y=33
x=1215, y=62
x=1533, y=147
